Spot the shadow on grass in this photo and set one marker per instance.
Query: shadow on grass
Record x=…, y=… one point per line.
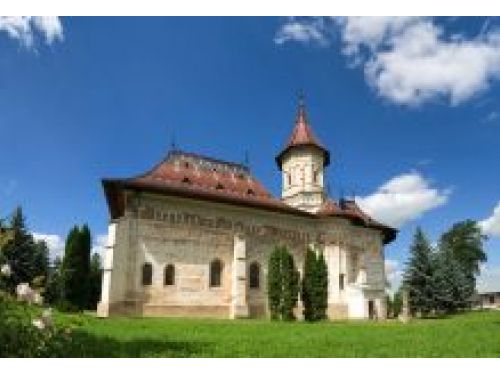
x=87, y=345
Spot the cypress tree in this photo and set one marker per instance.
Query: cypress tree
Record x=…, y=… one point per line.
x=314, y=286
x=274, y=286
x=322, y=287
x=290, y=286
x=282, y=284
x=418, y=275
x=307, y=292
x=76, y=267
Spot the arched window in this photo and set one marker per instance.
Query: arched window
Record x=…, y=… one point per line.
x=147, y=274
x=289, y=176
x=315, y=176
x=215, y=272
x=169, y=276
x=254, y=275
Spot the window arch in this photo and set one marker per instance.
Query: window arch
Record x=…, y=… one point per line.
x=216, y=272
x=147, y=274
x=254, y=275
x=169, y=275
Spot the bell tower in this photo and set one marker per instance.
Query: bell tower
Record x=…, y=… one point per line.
x=302, y=163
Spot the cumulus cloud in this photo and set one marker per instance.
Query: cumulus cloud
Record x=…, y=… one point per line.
x=54, y=242
x=412, y=60
x=402, y=199
x=99, y=245
x=25, y=28
x=491, y=225
x=304, y=31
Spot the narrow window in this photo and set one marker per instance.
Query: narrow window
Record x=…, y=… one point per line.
x=289, y=175
x=254, y=275
x=315, y=177
x=341, y=281
x=169, y=277
x=215, y=272
x=147, y=274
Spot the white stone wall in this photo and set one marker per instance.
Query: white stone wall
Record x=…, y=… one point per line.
x=189, y=234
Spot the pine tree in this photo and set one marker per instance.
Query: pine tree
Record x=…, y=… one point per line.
x=27, y=259
x=418, y=275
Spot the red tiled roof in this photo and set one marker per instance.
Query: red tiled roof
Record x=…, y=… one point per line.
x=197, y=177
x=302, y=135
x=191, y=175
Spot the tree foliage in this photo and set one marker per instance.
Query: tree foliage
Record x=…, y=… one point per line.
x=418, y=275
x=95, y=280
x=282, y=284
x=314, y=291
x=76, y=267
x=27, y=258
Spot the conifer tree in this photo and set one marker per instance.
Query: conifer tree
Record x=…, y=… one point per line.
x=27, y=258
x=418, y=276
x=464, y=242
x=314, y=286
x=307, y=291
x=76, y=267
x=290, y=286
x=282, y=284
x=274, y=284
x=322, y=287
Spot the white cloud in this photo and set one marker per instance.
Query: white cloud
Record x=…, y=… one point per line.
x=393, y=274
x=491, y=225
x=403, y=198
x=488, y=280
x=24, y=29
x=301, y=31
x=99, y=245
x=412, y=60
x=54, y=242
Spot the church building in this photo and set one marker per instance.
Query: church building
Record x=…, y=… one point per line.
x=193, y=235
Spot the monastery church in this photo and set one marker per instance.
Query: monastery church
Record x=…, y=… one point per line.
x=192, y=237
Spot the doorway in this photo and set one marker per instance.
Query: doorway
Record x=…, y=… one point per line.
x=371, y=309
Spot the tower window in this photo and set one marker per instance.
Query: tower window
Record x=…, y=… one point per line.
x=341, y=281
x=315, y=176
x=289, y=177
x=147, y=274
x=215, y=273
x=169, y=276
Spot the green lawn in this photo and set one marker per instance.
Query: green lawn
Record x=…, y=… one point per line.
x=474, y=334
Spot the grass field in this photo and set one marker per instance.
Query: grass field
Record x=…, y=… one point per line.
x=474, y=334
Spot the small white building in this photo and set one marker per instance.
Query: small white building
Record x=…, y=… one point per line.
x=192, y=236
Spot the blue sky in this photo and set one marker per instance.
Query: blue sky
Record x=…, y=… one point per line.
x=408, y=107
